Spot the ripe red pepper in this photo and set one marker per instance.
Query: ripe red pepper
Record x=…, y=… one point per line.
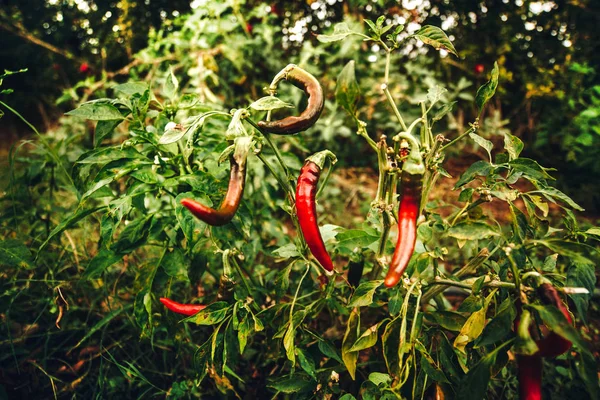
x=311, y=86
x=180, y=308
x=530, y=377
x=530, y=366
x=235, y=190
x=306, y=210
x=408, y=213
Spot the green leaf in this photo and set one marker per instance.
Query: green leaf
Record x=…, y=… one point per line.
x=287, y=251
x=175, y=264
x=471, y=329
x=435, y=94
x=475, y=383
x=581, y=275
x=14, y=253
x=172, y=135
x=288, y=343
x=244, y=330
x=593, y=231
x=587, y=367
x=340, y=32
x=445, y=109
x=449, y=320
x=500, y=326
x=269, y=103
x=211, y=315
x=96, y=112
x=530, y=168
x=363, y=296
x=486, y=144
x=131, y=88
x=513, y=145
x=353, y=238
x=346, y=89
x=294, y=383
x=577, y=252
x=435, y=37
x=552, y=193
x=557, y=323
x=488, y=89
x=307, y=364
x=103, y=129
x=171, y=85
x=468, y=230
x=350, y=357
x=478, y=168
x=329, y=350
x=366, y=340
x=104, y=259
x=69, y=222
x=133, y=236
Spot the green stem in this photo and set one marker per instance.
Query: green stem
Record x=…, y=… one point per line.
x=466, y=133
x=388, y=95
x=271, y=145
x=515, y=270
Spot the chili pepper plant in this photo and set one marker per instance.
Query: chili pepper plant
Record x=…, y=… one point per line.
x=212, y=212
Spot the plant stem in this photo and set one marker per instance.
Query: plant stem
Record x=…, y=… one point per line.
x=271, y=145
x=466, y=133
x=388, y=95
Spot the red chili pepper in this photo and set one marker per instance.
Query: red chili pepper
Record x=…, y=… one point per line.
x=180, y=308
x=530, y=366
x=235, y=190
x=306, y=210
x=530, y=377
x=408, y=212
x=311, y=86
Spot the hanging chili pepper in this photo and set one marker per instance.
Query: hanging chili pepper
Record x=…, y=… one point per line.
x=530, y=377
x=408, y=212
x=530, y=366
x=311, y=86
x=306, y=210
x=235, y=190
x=355, y=271
x=180, y=308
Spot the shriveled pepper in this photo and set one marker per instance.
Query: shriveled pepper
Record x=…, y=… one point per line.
x=180, y=308
x=235, y=190
x=306, y=210
x=311, y=86
x=408, y=212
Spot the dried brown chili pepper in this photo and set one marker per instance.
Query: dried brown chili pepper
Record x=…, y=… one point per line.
x=235, y=190
x=306, y=210
x=311, y=86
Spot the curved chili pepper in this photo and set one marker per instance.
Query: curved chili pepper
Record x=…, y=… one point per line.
x=180, y=308
x=235, y=190
x=310, y=85
x=355, y=271
x=306, y=210
x=408, y=212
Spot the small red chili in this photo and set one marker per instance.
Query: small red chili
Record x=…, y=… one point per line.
x=180, y=308
x=311, y=86
x=408, y=213
x=235, y=190
x=306, y=210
